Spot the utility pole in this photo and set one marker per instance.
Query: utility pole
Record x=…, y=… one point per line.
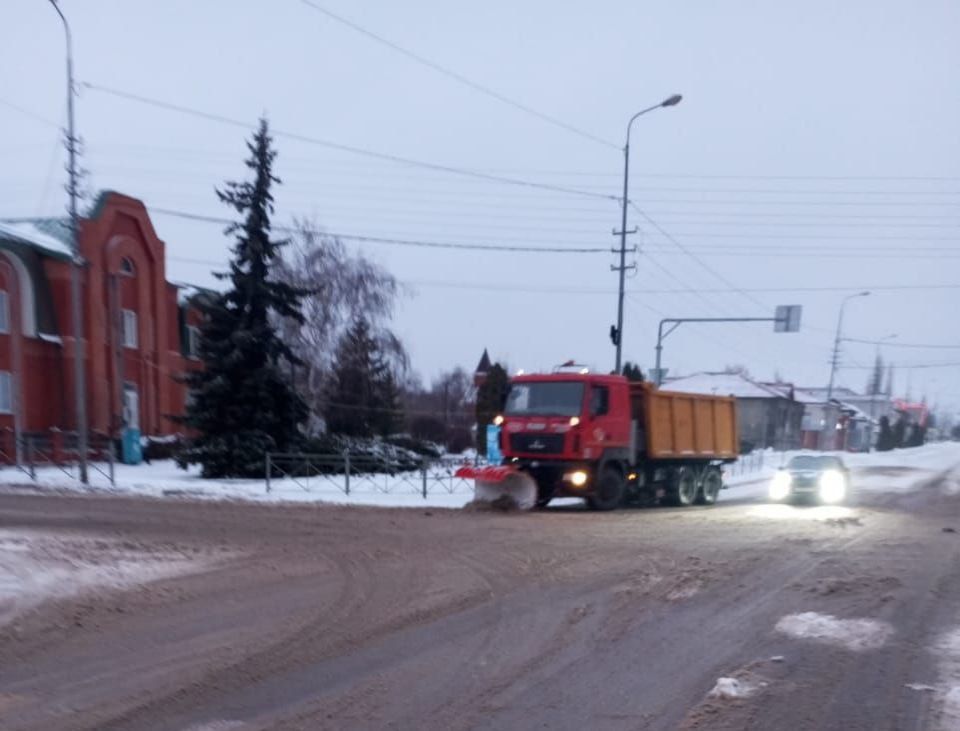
x=79, y=378
x=616, y=332
x=835, y=359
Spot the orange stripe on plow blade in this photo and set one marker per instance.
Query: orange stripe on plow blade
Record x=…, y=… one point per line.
x=487, y=474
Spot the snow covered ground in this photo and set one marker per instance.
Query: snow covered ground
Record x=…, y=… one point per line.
x=877, y=471
x=37, y=566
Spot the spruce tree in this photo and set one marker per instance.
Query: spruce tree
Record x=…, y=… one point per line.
x=363, y=399
x=632, y=371
x=242, y=404
x=491, y=396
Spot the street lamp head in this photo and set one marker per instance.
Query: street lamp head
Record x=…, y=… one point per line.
x=671, y=101
x=865, y=293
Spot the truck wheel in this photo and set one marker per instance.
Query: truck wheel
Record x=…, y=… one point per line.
x=710, y=489
x=683, y=492
x=609, y=490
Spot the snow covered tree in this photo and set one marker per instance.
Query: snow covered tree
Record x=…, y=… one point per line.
x=491, y=396
x=242, y=403
x=341, y=286
x=363, y=397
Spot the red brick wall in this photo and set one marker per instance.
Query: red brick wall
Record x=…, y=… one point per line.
x=121, y=231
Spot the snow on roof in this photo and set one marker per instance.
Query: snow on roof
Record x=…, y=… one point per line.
x=808, y=397
x=51, y=235
x=187, y=292
x=722, y=384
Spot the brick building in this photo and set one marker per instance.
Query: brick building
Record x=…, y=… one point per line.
x=140, y=330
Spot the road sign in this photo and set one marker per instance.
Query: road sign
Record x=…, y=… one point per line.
x=787, y=319
x=658, y=375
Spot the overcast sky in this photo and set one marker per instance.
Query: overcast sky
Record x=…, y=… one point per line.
x=816, y=146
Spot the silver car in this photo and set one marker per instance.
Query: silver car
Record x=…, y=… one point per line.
x=823, y=478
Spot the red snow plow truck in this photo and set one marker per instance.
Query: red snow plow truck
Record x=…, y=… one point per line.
x=607, y=440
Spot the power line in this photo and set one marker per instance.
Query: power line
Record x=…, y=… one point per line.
x=587, y=290
x=908, y=366
x=391, y=241
x=458, y=77
x=194, y=152
x=696, y=258
x=28, y=113
x=890, y=344
x=348, y=148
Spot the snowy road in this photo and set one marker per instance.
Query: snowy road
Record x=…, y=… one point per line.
x=136, y=613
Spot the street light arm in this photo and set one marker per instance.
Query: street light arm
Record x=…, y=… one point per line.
x=668, y=102
x=66, y=28
x=634, y=118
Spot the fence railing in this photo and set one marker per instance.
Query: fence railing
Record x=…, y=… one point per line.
x=58, y=449
x=351, y=473
x=752, y=462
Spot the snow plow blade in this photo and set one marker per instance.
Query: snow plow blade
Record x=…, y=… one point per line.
x=493, y=483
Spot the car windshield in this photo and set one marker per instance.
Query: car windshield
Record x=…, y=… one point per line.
x=547, y=398
x=810, y=462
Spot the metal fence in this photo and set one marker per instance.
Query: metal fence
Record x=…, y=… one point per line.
x=58, y=449
x=352, y=473
x=751, y=462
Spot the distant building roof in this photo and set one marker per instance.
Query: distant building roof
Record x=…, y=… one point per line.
x=724, y=384
x=187, y=293
x=51, y=235
x=484, y=365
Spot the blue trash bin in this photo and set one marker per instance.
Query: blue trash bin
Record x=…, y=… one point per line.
x=131, y=451
x=494, y=455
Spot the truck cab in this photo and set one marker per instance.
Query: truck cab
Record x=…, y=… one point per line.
x=562, y=427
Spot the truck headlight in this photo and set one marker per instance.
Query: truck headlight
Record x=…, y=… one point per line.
x=833, y=486
x=578, y=478
x=780, y=485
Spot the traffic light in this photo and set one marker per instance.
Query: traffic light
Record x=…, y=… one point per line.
x=614, y=335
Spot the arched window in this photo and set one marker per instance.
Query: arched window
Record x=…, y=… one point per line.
x=126, y=267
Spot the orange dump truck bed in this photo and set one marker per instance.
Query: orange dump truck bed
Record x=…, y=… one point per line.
x=685, y=425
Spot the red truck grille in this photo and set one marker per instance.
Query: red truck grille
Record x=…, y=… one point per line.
x=537, y=443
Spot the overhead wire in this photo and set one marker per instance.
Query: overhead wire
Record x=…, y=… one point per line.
x=388, y=240
x=346, y=148
x=456, y=76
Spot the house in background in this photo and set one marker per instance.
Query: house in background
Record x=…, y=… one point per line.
x=140, y=330
x=767, y=415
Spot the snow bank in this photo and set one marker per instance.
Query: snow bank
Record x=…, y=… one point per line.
x=732, y=688
x=852, y=634
x=947, y=648
x=883, y=471
x=36, y=566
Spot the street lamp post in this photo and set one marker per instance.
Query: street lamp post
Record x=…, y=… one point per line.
x=835, y=360
x=618, y=333
x=75, y=270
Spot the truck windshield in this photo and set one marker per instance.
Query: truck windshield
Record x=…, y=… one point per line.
x=549, y=398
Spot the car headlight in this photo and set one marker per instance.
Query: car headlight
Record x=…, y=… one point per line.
x=780, y=485
x=578, y=478
x=833, y=486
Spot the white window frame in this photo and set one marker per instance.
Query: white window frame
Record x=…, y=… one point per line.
x=4, y=312
x=129, y=325
x=6, y=392
x=193, y=342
